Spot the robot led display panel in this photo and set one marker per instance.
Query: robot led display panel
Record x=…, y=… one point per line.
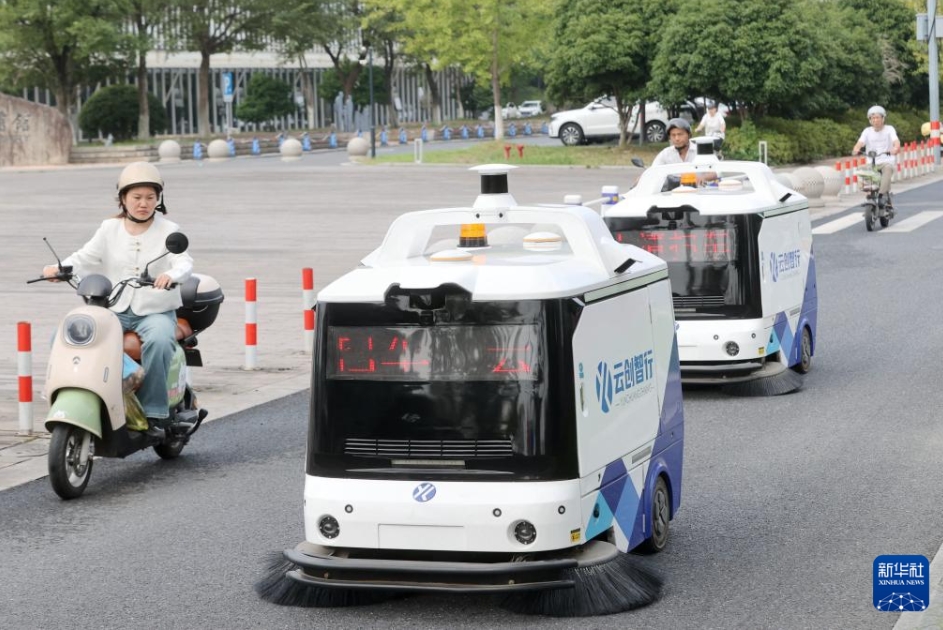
x=460, y=392
x=738, y=246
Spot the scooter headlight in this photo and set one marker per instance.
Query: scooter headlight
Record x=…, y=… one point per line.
x=79, y=330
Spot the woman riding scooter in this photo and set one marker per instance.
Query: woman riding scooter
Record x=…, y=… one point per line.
x=122, y=247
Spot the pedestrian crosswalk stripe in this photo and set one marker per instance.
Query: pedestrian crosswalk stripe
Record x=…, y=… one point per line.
x=855, y=218
x=912, y=223
x=839, y=224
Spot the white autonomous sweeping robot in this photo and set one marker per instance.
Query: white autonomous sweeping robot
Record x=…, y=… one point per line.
x=739, y=250
x=496, y=408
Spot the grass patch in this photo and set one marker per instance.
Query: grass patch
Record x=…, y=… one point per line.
x=489, y=152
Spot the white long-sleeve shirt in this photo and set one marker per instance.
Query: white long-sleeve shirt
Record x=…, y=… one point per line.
x=117, y=255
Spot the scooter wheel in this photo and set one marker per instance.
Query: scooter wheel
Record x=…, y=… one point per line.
x=885, y=221
x=869, y=217
x=67, y=474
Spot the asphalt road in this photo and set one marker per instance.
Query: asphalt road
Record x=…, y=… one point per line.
x=786, y=500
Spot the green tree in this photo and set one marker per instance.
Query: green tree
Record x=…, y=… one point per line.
x=59, y=45
x=144, y=16
x=384, y=24
x=328, y=25
x=266, y=98
x=795, y=58
x=602, y=47
x=210, y=27
x=360, y=94
x=486, y=39
x=891, y=23
x=114, y=110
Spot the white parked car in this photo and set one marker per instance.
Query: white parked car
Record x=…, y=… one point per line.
x=531, y=108
x=510, y=111
x=599, y=121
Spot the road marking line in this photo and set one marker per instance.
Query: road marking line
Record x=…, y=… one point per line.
x=912, y=223
x=839, y=224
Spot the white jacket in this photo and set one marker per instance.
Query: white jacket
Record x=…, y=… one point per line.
x=117, y=255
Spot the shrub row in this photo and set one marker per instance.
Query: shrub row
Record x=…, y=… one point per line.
x=805, y=141
x=114, y=110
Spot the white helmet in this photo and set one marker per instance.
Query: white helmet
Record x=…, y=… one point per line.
x=877, y=109
x=142, y=174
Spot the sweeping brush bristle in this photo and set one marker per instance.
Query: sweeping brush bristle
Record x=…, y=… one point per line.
x=610, y=587
x=277, y=588
x=774, y=385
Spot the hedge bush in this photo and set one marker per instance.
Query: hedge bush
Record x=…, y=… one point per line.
x=114, y=110
x=805, y=141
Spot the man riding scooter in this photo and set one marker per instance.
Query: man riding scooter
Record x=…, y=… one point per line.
x=882, y=139
x=121, y=247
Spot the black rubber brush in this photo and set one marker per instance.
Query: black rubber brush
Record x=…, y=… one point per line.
x=614, y=585
x=277, y=588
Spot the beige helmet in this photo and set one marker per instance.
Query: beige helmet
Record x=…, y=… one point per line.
x=141, y=174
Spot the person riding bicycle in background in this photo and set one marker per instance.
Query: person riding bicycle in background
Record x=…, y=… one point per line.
x=679, y=149
x=883, y=140
x=714, y=125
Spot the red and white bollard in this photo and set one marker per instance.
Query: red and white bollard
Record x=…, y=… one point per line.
x=24, y=370
x=307, y=303
x=934, y=142
x=252, y=358
x=848, y=189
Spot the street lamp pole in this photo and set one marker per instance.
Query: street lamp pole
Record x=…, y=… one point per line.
x=373, y=134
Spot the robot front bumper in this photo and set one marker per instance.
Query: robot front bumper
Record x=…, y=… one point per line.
x=367, y=569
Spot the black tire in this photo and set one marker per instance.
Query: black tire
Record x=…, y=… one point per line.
x=67, y=476
x=804, y=366
x=885, y=221
x=170, y=450
x=571, y=135
x=660, y=516
x=869, y=217
x=655, y=131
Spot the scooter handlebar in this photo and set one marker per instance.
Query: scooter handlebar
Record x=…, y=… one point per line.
x=64, y=275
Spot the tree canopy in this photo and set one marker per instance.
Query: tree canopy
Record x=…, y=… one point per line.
x=59, y=45
x=789, y=58
x=603, y=48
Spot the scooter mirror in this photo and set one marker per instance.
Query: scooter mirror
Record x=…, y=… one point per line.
x=637, y=161
x=177, y=243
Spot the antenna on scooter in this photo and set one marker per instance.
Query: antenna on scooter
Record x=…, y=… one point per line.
x=58, y=261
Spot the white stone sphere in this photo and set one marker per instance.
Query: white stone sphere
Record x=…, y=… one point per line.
x=290, y=149
x=218, y=150
x=786, y=180
x=833, y=180
x=169, y=151
x=809, y=181
x=358, y=146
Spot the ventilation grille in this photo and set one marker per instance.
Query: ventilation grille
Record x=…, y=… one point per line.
x=446, y=449
x=699, y=301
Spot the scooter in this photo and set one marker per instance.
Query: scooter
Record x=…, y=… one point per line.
x=93, y=372
x=873, y=207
